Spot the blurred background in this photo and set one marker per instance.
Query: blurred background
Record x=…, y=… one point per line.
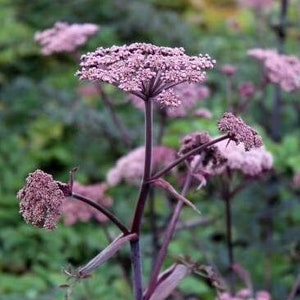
x=50, y=120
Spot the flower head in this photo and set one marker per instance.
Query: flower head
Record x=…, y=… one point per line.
x=228, y=69
x=246, y=89
x=41, y=199
x=74, y=210
x=130, y=167
x=251, y=163
x=64, y=37
x=245, y=294
x=145, y=70
x=257, y=4
x=239, y=131
x=187, y=94
x=280, y=68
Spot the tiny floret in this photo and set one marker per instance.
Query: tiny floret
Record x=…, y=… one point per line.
x=41, y=199
x=239, y=131
x=145, y=70
x=64, y=37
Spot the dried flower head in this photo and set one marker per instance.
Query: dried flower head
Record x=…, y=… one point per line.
x=64, y=37
x=145, y=70
x=41, y=199
x=192, y=141
x=239, y=131
x=280, y=68
x=130, y=167
x=74, y=210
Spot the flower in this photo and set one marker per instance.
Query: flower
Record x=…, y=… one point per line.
x=245, y=294
x=296, y=179
x=228, y=69
x=246, y=89
x=251, y=163
x=64, y=37
x=280, y=68
x=192, y=141
x=239, y=131
x=257, y=4
x=203, y=113
x=145, y=70
x=130, y=167
x=74, y=210
x=41, y=199
x=188, y=93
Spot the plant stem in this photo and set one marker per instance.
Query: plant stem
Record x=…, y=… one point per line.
x=185, y=156
x=114, y=116
x=103, y=210
x=172, y=226
x=229, y=241
x=143, y=194
x=276, y=107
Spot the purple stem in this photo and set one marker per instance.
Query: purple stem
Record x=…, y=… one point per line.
x=172, y=223
x=143, y=194
x=185, y=156
x=103, y=210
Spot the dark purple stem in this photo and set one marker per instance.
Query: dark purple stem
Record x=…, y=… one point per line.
x=103, y=210
x=185, y=156
x=172, y=223
x=143, y=194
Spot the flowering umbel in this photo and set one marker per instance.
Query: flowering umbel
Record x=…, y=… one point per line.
x=239, y=131
x=279, y=68
x=41, y=199
x=64, y=37
x=145, y=70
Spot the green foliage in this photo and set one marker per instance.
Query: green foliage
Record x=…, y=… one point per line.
x=45, y=123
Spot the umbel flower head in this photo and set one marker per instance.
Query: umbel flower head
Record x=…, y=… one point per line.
x=64, y=37
x=239, y=131
x=280, y=68
x=145, y=70
x=41, y=199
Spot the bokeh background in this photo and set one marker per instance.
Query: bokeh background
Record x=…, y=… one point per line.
x=47, y=122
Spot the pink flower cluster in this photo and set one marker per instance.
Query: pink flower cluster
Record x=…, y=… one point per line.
x=257, y=4
x=145, y=70
x=296, y=179
x=188, y=93
x=251, y=163
x=74, y=210
x=228, y=69
x=64, y=37
x=239, y=131
x=246, y=89
x=224, y=156
x=41, y=199
x=245, y=294
x=280, y=68
x=130, y=167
